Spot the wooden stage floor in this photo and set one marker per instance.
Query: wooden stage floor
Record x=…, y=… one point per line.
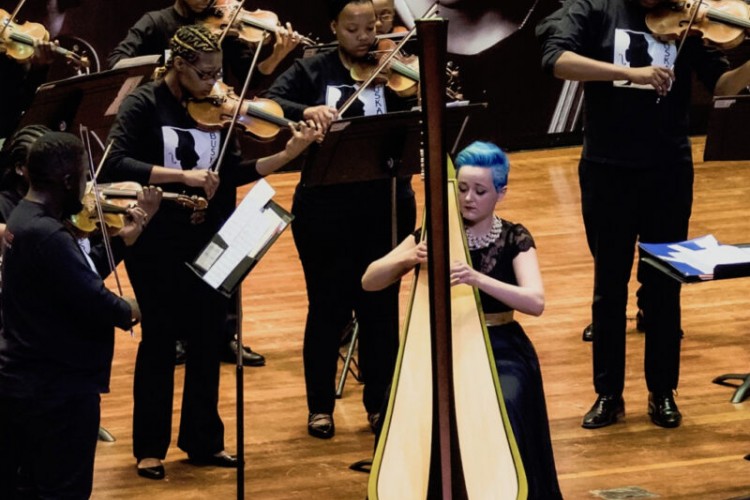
x=703, y=459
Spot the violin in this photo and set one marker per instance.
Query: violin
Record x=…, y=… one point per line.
x=721, y=22
x=251, y=26
x=17, y=41
x=261, y=118
x=129, y=191
x=401, y=74
x=87, y=220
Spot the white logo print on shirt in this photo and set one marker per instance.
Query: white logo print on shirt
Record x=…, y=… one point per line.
x=635, y=49
x=370, y=102
x=188, y=149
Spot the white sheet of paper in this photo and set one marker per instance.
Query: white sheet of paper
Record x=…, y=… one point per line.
x=246, y=232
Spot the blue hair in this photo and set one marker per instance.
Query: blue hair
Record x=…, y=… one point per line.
x=485, y=155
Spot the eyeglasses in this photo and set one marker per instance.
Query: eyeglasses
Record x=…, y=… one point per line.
x=205, y=75
x=386, y=17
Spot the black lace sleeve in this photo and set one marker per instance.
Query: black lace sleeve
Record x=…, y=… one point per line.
x=520, y=240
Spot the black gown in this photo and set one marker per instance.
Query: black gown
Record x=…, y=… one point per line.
x=518, y=366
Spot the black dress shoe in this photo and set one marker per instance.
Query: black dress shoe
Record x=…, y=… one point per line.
x=588, y=333
x=155, y=472
x=227, y=461
x=606, y=411
x=663, y=410
x=320, y=425
x=249, y=357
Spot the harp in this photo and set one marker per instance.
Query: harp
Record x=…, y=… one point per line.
x=446, y=433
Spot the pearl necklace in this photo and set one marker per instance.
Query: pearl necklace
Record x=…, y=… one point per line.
x=483, y=241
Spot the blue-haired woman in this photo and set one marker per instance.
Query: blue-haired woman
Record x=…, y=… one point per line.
x=506, y=272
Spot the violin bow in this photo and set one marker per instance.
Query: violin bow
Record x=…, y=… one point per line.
x=684, y=38
x=386, y=59
x=232, y=21
x=86, y=138
x=235, y=116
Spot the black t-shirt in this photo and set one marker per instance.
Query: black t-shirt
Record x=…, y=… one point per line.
x=59, y=318
x=626, y=124
x=154, y=128
x=324, y=80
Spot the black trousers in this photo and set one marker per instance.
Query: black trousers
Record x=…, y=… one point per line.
x=175, y=303
x=620, y=207
x=51, y=441
x=336, y=242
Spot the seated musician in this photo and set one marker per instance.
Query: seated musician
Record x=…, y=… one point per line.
x=58, y=337
x=506, y=272
x=340, y=229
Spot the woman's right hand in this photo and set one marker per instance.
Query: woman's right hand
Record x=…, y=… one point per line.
x=323, y=116
x=206, y=179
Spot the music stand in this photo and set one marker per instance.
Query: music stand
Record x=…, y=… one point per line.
x=91, y=100
x=376, y=147
x=721, y=272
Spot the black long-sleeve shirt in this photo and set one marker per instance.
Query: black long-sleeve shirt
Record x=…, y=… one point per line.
x=627, y=124
x=59, y=318
x=154, y=129
x=151, y=35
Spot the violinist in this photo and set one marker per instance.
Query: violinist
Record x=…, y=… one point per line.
x=636, y=178
x=151, y=35
x=505, y=269
x=20, y=79
x=57, y=342
x=157, y=142
x=385, y=12
x=340, y=229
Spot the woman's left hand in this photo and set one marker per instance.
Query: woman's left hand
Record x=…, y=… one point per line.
x=302, y=136
x=463, y=274
x=286, y=40
x=135, y=220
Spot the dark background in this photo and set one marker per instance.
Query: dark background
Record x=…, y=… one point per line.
x=507, y=76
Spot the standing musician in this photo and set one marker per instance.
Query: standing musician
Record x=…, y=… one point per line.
x=20, y=79
x=636, y=176
x=340, y=229
x=506, y=272
x=385, y=12
x=151, y=35
x=156, y=141
x=58, y=338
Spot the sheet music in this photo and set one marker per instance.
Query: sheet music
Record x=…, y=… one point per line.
x=705, y=253
x=246, y=232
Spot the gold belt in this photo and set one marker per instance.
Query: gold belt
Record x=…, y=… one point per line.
x=497, y=319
